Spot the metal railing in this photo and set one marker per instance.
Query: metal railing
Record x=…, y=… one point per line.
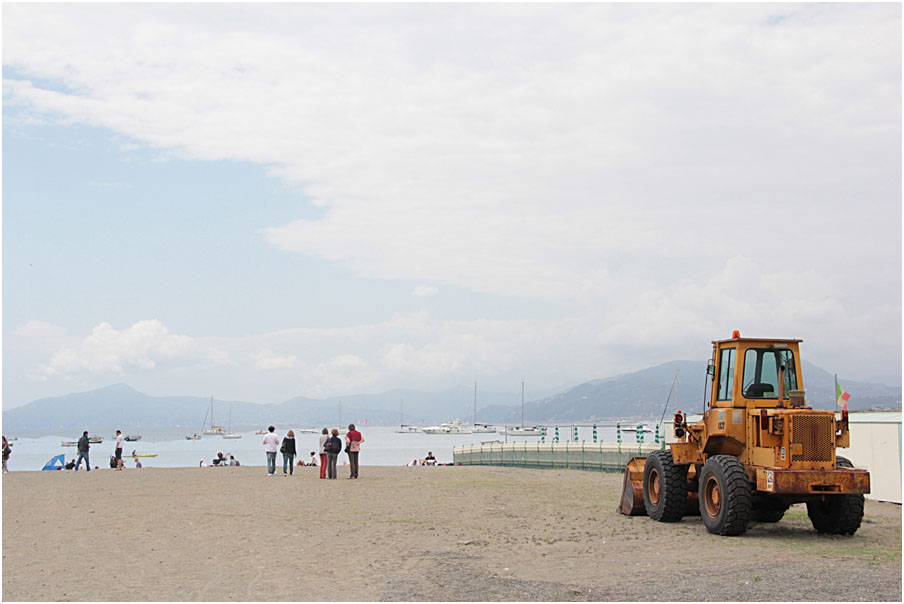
x=600, y=457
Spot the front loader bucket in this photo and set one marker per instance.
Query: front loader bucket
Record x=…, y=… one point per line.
x=632, y=489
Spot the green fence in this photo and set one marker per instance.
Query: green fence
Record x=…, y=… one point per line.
x=602, y=457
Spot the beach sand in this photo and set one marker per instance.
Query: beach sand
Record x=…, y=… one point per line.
x=434, y=533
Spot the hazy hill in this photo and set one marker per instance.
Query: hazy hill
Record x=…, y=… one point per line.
x=645, y=392
x=639, y=394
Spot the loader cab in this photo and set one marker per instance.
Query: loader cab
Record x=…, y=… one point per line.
x=754, y=373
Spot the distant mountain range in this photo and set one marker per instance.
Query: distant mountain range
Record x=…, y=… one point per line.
x=632, y=395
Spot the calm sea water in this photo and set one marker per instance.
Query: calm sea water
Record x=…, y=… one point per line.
x=383, y=446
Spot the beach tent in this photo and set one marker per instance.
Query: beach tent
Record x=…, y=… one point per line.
x=55, y=463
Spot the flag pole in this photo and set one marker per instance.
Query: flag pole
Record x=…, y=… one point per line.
x=836, y=393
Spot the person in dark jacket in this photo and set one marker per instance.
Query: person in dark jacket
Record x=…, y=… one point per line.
x=83, y=447
x=7, y=450
x=333, y=448
x=288, y=452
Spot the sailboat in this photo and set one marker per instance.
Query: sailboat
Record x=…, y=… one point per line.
x=403, y=427
x=478, y=427
x=230, y=433
x=214, y=429
x=522, y=430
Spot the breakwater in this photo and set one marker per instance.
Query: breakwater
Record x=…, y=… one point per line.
x=600, y=457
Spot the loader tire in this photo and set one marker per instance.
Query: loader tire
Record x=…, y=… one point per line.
x=768, y=514
x=837, y=514
x=726, y=502
x=664, y=487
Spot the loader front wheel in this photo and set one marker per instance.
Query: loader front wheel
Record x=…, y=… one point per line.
x=664, y=487
x=726, y=502
x=837, y=514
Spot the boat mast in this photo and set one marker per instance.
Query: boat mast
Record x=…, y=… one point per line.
x=204, y=423
x=522, y=406
x=475, y=404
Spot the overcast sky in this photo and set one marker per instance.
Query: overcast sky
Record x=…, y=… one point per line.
x=259, y=202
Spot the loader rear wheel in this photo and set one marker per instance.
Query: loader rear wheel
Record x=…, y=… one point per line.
x=837, y=514
x=664, y=487
x=726, y=502
x=769, y=514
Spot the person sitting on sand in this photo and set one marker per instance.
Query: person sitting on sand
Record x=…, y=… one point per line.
x=430, y=460
x=233, y=461
x=70, y=464
x=313, y=460
x=203, y=465
x=137, y=462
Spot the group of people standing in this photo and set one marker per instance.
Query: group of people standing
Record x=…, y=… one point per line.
x=330, y=447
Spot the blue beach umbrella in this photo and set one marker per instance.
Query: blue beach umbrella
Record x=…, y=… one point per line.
x=52, y=464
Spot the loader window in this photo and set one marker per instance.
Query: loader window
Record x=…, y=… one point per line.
x=761, y=371
x=726, y=374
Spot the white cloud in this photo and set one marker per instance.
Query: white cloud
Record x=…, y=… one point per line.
x=425, y=290
x=519, y=163
x=268, y=360
x=39, y=329
x=673, y=171
x=145, y=346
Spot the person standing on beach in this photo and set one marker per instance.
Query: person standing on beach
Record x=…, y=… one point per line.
x=324, y=438
x=271, y=446
x=120, y=464
x=288, y=452
x=333, y=448
x=83, y=446
x=6, y=452
x=353, y=440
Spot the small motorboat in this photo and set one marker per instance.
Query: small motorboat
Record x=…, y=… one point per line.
x=194, y=436
x=403, y=429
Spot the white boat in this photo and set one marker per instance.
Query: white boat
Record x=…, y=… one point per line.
x=522, y=430
x=457, y=428
x=214, y=429
x=435, y=430
x=194, y=436
x=229, y=433
x=308, y=431
x=479, y=428
x=448, y=428
x=403, y=427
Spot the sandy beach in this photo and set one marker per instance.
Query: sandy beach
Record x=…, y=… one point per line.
x=401, y=534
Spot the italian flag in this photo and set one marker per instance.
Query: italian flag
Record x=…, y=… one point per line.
x=841, y=396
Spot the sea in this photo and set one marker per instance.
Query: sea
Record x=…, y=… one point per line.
x=383, y=445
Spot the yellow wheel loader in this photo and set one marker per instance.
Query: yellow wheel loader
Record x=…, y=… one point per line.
x=758, y=449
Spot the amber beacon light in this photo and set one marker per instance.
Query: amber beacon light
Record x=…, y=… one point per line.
x=735, y=334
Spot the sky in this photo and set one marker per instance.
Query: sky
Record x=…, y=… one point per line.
x=257, y=202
